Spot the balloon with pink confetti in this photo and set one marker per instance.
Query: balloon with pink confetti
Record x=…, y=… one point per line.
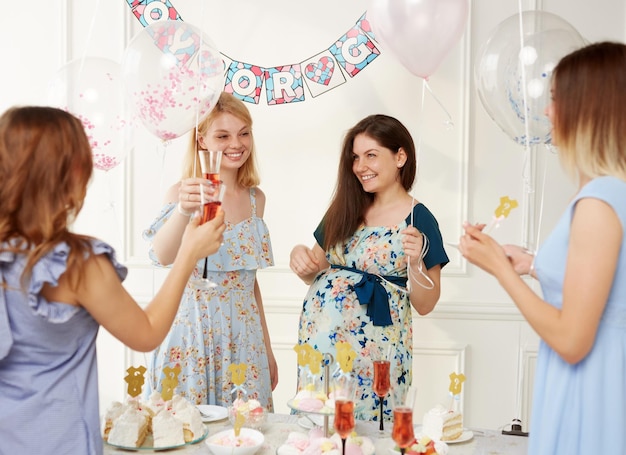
x=173, y=76
x=92, y=89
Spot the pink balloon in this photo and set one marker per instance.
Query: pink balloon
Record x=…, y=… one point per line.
x=91, y=88
x=420, y=33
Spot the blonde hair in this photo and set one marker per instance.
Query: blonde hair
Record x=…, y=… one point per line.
x=589, y=87
x=45, y=167
x=247, y=175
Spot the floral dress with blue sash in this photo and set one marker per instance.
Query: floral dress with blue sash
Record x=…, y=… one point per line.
x=332, y=312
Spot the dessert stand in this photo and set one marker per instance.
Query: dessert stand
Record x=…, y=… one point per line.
x=327, y=360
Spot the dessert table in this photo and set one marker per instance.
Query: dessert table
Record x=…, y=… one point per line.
x=278, y=427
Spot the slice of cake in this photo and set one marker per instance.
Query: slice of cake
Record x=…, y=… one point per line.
x=167, y=430
x=189, y=415
x=442, y=424
x=129, y=429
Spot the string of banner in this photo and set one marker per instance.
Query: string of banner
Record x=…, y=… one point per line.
x=348, y=55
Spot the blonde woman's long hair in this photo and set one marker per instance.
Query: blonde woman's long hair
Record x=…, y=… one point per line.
x=248, y=174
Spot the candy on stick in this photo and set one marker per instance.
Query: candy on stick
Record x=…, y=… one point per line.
x=238, y=374
x=135, y=380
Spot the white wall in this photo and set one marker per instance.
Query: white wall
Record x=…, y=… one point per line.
x=463, y=171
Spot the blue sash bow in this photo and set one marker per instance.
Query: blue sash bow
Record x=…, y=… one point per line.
x=371, y=292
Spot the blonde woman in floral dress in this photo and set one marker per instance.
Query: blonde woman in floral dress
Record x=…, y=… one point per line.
x=225, y=325
x=357, y=270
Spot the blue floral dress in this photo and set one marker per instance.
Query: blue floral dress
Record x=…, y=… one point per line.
x=221, y=326
x=332, y=313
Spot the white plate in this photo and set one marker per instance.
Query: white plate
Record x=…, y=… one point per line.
x=309, y=422
x=148, y=444
x=325, y=411
x=212, y=413
x=465, y=436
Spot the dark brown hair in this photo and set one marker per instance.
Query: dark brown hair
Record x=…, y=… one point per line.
x=349, y=203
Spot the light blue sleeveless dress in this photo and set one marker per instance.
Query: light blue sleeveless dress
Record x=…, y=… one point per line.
x=221, y=326
x=48, y=369
x=581, y=409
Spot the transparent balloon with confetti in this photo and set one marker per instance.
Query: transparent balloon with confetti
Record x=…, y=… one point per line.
x=173, y=76
x=91, y=88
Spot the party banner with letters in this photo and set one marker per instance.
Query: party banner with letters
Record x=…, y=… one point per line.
x=347, y=56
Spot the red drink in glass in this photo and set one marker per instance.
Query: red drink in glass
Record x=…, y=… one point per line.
x=344, y=417
x=402, y=432
x=213, y=177
x=210, y=210
x=381, y=377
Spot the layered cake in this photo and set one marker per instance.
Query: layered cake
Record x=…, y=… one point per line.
x=315, y=443
x=173, y=422
x=442, y=424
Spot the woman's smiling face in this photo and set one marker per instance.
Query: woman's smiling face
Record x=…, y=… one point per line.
x=375, y=166
x=231, y=135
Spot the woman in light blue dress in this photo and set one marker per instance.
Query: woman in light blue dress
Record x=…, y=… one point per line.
x=223, y=327
x=579, y=402
x=374, y=237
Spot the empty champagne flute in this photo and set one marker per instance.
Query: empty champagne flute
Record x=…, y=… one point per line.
x=344, y=424
x=210, y=162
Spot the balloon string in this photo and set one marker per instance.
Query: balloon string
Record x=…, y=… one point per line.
x=449, y=123
x=527, y=161
x=112, y=206
x=88, y=40
x=541, y=201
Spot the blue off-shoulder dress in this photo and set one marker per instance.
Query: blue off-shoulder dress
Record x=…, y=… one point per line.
x=219, y=327
x=48, y=370
x=581, y=408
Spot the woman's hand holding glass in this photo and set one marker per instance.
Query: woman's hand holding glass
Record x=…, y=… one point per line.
x=201, y=240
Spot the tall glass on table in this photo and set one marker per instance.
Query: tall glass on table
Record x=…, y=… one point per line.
x=381, y=386
x=403, y=403
x=344, y=389
x=210, y=162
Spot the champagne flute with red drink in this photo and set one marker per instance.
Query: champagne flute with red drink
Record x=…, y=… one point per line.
x=210, y=162
x=382, y=384
x=344, y=391
x=402, y=432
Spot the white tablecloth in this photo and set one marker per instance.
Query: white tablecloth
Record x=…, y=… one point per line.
x=278, y=427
